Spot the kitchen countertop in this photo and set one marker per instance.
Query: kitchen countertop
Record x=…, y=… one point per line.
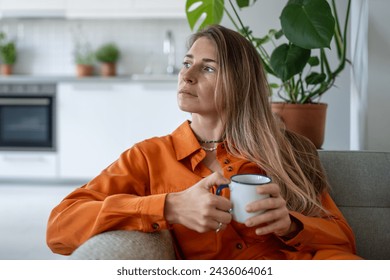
x=92, y=79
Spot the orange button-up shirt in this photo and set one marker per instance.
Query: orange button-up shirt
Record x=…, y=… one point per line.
x=130, y=195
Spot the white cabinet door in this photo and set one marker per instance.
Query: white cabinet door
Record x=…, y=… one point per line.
x=158, y=8
x=125, y=9
x=97, y=122
x=32, y=8
x=98, y=9
x=86, y=136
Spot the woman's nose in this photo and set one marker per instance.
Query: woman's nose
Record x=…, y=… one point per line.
x=188, y=76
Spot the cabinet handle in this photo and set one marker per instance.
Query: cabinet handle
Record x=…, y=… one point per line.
x=102, y=87
x=25, y=101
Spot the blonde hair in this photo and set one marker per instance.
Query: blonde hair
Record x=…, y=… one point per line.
x=251, y=130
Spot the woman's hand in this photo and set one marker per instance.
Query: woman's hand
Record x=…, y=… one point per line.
x=276, y=219
x=197, y=208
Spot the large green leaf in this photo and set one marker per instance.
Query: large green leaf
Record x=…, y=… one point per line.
x=308, y=23
x=288, y=60
x=204, y=12
x=315, y=78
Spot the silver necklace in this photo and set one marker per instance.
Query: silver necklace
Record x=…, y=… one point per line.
x=209, y=142
x=209, y=149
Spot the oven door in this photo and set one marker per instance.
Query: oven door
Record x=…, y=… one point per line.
x=27, y=123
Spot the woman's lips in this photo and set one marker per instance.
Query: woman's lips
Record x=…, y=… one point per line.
x=182, y=91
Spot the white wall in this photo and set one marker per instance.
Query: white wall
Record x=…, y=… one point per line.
x=45, y=47
x=378, y=113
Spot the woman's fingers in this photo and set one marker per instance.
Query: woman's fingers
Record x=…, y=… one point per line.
x=276, y=218
x=197, y=208
x=214, y=179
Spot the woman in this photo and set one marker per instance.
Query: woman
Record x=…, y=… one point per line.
x=169, y=182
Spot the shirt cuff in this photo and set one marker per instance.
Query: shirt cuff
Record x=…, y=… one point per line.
x=152, y=213
x=296, y=238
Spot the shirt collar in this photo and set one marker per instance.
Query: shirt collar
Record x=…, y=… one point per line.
x=185, y=142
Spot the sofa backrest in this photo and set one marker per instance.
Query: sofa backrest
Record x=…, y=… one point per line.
x=360, y=182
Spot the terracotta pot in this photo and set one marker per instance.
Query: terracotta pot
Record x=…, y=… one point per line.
x=108, y=69
x=305, y=119
x=84, y=70
x=6, y=69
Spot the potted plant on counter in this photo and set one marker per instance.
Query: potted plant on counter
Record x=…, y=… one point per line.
x=296, y=55
x=108, y=54
x=8, y=55
x=84, y=58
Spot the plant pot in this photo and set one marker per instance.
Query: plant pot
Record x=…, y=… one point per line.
x=305, y=119
x=108, y=69
x=6, y=69
x=84, y=70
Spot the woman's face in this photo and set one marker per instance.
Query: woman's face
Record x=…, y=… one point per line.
x=197, y=79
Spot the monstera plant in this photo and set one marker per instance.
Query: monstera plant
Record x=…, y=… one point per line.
x=297, y=53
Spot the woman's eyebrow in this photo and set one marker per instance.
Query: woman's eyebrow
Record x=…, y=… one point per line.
x=210, y=60
x=204, y=59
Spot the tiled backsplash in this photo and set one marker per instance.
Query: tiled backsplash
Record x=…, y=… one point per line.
x=45, y=47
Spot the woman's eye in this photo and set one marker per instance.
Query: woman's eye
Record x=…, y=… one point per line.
x=209, y=69
x=186, y=64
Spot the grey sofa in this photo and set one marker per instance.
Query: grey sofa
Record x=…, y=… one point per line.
x=360, y=183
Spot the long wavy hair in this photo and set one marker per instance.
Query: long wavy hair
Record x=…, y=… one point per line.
x=250, y=128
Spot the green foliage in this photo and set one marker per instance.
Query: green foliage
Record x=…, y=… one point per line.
x=307, y=27
x=8, y=51
x=108, y=53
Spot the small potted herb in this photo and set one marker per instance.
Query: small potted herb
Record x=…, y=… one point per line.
x=84, y=59
x=108, y=55
x=8, y=55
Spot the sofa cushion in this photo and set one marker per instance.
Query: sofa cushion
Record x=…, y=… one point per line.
x=360, y=182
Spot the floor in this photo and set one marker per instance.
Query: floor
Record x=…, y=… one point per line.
x=24, y=210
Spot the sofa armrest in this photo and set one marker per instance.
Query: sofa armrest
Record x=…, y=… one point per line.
x=126, y=245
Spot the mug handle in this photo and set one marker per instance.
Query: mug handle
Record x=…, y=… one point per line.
x=220, y=188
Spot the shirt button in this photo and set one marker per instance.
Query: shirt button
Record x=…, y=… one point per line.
x=155, y=226
x=239, y=246
x=230, y=168
x=226, y=161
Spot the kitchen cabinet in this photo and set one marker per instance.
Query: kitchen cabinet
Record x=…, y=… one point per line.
x=125, y=9
x=28, y=165
x=98, y=121
x=32, y=8
x=158, y=8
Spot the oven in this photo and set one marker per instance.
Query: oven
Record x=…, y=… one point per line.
x=27, y=117
x=28, y=130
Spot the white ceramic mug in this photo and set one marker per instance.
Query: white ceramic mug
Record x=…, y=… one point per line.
x=242, y=192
